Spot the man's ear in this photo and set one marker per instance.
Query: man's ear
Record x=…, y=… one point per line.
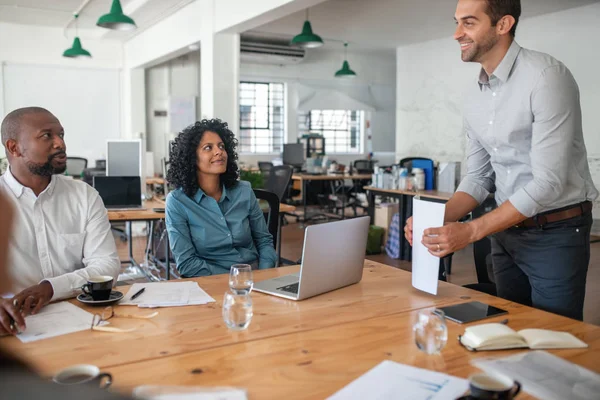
x=13, y=148
x=505, y=24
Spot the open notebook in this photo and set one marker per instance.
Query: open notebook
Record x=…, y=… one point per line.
x=499, y=336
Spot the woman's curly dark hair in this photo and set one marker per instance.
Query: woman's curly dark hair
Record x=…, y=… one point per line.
x=183, y=159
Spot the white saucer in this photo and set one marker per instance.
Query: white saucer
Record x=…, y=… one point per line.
x=115, y=296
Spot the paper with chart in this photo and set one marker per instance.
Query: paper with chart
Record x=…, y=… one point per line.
x=166, y=294
x=391, y=380
x=55, y=320
x=425, y=266
x=545, y=375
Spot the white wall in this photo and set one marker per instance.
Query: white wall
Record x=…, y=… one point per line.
x=431, y=84
x=73, y=89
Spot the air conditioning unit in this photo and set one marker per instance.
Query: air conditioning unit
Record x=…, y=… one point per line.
x=277, y=53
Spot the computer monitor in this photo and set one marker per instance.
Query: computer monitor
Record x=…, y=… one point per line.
x=293, y=154
x=124, y=157
x=119, y=191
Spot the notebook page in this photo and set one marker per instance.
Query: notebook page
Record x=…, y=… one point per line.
x=546, y=339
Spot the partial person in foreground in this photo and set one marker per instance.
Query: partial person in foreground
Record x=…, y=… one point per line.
x=525, y=141
x=17, y=380
x=61, y=234
x=213, y=220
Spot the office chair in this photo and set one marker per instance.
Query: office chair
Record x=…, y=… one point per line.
x=272, y=216
x=76, y=166
x=279, y=182
x=165, y=168
x=265, y=168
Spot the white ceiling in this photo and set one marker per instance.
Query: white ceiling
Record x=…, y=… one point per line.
x=386, y=24
x=58, y=13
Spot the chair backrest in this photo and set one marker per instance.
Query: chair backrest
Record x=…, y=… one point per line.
x=279, y=180
x=265, y=168
x=363, y=166
x=76, y=165
x=272, y=217
x=482, y=248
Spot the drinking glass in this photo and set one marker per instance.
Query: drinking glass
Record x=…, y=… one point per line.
x=237, y=310
x=431, y=333
x=240, y=279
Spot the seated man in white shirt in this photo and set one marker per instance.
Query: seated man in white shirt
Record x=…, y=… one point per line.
x=61, y=232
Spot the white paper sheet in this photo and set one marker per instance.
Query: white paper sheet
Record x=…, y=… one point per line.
x=151, y=392
x=167, y=294
x=545, y=375
x=55, y=320
x=391, y=380
x=425, y=266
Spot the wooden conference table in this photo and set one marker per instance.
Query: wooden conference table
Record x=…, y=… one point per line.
x=307, y=349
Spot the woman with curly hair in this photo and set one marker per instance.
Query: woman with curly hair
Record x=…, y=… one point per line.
x=213, y=220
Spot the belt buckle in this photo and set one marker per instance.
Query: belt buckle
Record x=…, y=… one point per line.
x=537, y=218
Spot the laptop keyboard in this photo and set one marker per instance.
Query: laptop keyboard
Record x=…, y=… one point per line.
x=293, y=288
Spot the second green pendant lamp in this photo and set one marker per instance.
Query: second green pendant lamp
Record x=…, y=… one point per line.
x=345, y=72
x=115, y=19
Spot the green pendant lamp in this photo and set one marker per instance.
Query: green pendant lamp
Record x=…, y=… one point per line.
x=307, y=39
x=76, y=50
x=116, y=19
x=345, y=72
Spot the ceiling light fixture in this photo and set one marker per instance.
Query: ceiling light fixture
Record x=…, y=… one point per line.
x=307, y=39
x=345, y=72
x=76, y=50
x=116, y=19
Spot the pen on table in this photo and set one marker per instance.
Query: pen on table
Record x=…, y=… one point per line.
x=504, y=321
x=139, y=292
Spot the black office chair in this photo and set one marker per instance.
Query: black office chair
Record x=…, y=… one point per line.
x=279, y=182
x=265, y=168
x=271, y=216
x=76, y=166
x=482, y=253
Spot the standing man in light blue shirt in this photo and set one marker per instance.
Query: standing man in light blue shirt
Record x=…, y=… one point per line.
x=213, y=220
x=525, y=143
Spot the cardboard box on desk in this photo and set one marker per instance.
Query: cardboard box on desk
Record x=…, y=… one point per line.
x=383, y=217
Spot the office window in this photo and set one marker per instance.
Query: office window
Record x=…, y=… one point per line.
x=342, y=129
x=261, y=117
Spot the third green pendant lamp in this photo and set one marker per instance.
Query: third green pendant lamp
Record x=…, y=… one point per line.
x=115, y=19
x=307, y=39
x=345, y=72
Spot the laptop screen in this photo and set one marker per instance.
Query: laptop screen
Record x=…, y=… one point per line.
x=119, y=191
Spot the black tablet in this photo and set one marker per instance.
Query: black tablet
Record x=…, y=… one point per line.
x=469, y=312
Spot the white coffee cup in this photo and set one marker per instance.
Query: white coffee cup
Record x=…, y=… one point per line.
x=82, y=374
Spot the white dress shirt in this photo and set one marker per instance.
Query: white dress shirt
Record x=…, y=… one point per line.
x=62, y=236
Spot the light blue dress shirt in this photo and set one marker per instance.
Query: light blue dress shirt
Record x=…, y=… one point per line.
x=525, y=136
x=207, y=237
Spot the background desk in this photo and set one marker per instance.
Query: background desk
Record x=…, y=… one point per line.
x=404, y=209
x=304, y=178
x=306, y=349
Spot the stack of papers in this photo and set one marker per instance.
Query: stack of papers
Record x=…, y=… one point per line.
x=391, y=380
x=166, y=294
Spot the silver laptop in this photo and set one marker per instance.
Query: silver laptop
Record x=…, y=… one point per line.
x=333, y=257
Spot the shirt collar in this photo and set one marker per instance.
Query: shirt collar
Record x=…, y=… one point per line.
x=503, y=70
x=200, y=194
x=16, y=187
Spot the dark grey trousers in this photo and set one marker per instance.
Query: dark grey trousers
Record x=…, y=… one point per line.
x=545, y=268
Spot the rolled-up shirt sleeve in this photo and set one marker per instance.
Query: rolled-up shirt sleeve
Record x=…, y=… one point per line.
x=99, y=252
x=556, y=114
x=479, y=181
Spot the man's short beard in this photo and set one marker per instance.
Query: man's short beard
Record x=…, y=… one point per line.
x=482, y=49
x=45, y=169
